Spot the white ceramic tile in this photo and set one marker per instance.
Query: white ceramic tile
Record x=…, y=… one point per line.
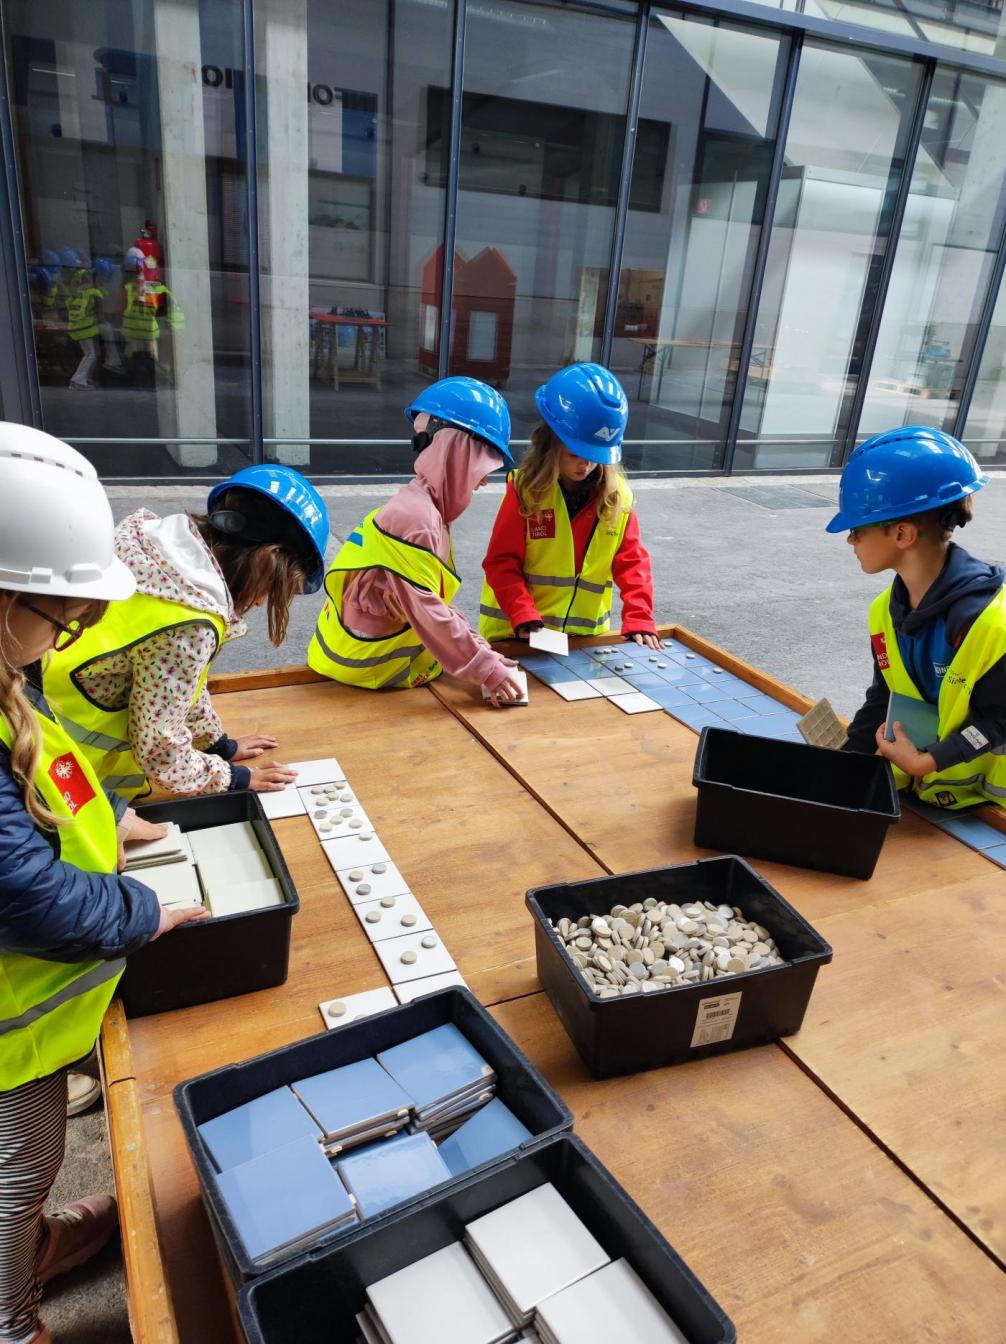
x=355, y=851
x=169, y=846
x=512, y=704
x=552, y=641
x=174, y=883
x=364, y=884
x=414, y=989
x=576, y=690
x=339, y=1012
x=224, y=869
x=388, y=923
x=429, y=960
x=235, y=898
x=325, y=771
x=635, y=703
x=217, y=841
x=282, y=803
x=614, y=1303
x=332, y=810
x=440, y=1299
x=609, y=686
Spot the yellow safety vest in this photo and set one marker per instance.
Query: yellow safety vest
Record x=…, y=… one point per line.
x=102, y=733
x=140, y=319
x=81, y=313
x=398, y=659
x=51, y=1011
x=580, y=603
x=977, y=781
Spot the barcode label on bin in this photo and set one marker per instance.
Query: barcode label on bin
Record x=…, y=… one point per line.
x=716, y=1019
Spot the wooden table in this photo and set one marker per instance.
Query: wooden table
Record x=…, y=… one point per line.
x=798, y=1180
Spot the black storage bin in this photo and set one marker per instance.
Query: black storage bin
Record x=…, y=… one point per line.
x=646, y=1031
x=518, y=1084
x=214, y=958
x=807, y=806
x=315, y=1298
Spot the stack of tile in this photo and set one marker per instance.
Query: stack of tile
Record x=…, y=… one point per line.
x=612, y=1303
x=382, y=1175
x=441, y=1299
x=171, y=848
x=236, y=874
x=354, y=1104
x=444, y=1074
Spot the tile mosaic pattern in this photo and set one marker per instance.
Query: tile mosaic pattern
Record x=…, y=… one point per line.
x=964, y=826
x=688, y=686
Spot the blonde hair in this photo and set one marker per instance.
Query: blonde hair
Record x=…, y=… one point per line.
x=539, y=472
x=15, y=707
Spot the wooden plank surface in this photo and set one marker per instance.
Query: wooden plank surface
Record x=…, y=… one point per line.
x=799, y=1225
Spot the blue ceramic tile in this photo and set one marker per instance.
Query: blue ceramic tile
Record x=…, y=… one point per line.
x=969, y=829
x=644, y=681
x=777, y=726
x=678, y=676
x=997, y=853
x=685, y=658
x=717, y=676
x=763, y=704
x=554, y=673
x=669, y=697
x=738, y=713
x=696, y=716
x=705, y=693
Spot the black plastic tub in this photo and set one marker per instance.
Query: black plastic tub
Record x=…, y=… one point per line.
x=221, y=957
x=807, y=806
x=518, y=1084
x=685, y=1022
x=315, y=1298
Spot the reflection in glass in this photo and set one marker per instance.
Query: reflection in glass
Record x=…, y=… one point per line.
x=136, y=251
x=985, y=430
x=543, y=125
x=711, y=95
x=843, y=157
x=351, y=215
x=945, y=253
x=972, y=25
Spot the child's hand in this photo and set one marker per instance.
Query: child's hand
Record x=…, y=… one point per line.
x=132, y=827
x=524, y=631
x=904, y=754
x=271, y=777
x=170, y=919
x=648, y=641
x=509, y=689
x=253, y=745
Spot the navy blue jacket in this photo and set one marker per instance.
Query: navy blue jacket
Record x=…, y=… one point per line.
x=54, y=910
x=928, y=637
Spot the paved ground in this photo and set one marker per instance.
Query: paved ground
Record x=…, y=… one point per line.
x=744, y=561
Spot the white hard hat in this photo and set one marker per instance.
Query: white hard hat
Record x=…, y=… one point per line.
x=56, y=526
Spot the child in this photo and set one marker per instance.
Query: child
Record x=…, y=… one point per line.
x=566, y=530
x=83, y=321
x=939, y=631
x=132, y=691
x=67, y=920
x=388, y=620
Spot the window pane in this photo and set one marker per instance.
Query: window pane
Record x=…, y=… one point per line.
x=133, y=191
x=541, y=155
x=843, y=159
x=708, y=117
x=953, y=222
x=351, y=213
x=985, y=430
x=972, y=25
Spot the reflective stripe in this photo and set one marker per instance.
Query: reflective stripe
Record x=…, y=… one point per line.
x=118, y=782
x=91, y=738
x=560, y=581
x=981, y=781
x=108, y=970
x=585, y=622
x=493, y=611
x=410, y=651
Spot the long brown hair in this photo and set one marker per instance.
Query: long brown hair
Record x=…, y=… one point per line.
x=15, y=707
x=539, y=472
x=256, y=570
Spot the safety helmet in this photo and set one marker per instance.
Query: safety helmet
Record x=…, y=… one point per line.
x=903, y=472
x=56, y=526
x=43, y=278
x=133, y=260
x=467, y=403
x=104, y=268
x=51, y=258
x=585, y=406
x=294, y=514
x=72, y=260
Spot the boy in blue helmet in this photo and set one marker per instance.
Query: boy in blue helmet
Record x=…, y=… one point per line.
x=388, y=619
x=938, y=633
x=133, y=688
x=566, y=533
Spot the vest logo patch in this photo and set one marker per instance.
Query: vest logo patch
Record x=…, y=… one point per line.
x=542, y=526
x=945, y=798
x=69, y=778
x=940, y=669
x=879, y=642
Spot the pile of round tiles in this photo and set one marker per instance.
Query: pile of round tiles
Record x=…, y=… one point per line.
x=656, y=945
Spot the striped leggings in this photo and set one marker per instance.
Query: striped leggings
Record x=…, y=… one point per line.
x=32, y=1139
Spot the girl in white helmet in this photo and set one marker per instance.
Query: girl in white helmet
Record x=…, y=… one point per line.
x=67, y=919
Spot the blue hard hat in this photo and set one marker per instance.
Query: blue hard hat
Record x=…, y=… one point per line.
x=104, y=268
x=296, y=496
x=71, y=259
x=586, y=407
x=903, y=472
x=50, y=258
x=468, y=404
x=44, y=278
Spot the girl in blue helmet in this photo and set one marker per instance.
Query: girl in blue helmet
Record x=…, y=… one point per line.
x=938, y=633
x=566, y=532
x=133, y=689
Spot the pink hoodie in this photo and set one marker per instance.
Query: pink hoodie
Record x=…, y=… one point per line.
x=375, y=602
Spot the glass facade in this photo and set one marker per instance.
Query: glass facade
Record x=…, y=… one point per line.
x=257, y=229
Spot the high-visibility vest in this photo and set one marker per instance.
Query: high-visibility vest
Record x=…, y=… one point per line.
x=398, y=659
x=578, y=603
x=102, y=733
x=977, y=781
x=143, y=308
x=51, y=1011
x=81, y=313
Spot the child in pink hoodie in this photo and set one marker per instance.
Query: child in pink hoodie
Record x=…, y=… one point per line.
x=388, y=619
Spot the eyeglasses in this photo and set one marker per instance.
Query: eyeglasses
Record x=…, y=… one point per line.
x=69, y=632
x=856, y=532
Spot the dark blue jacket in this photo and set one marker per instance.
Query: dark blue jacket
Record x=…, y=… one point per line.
x=928, y=637
x=54, y=910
